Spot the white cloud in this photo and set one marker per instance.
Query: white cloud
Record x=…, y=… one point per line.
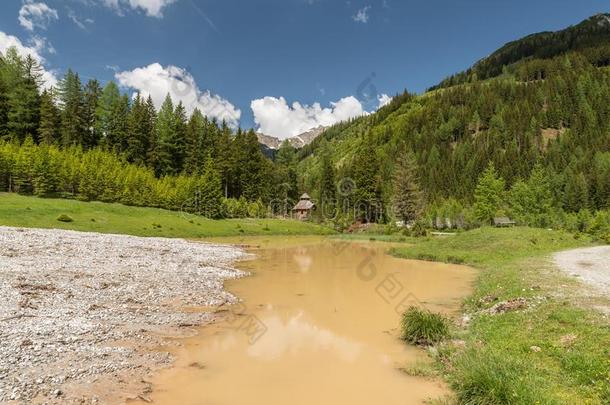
x=276, y=118
x=157, y=81
x=152, y=8
x=8, y=41
x=82, y=24
x=362, y=15
x=384, y=100
x=36, y=15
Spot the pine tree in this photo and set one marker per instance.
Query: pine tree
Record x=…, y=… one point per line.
x=109, y=112
x=195, y=150
x=224, y=158
x=408, y=200
x=178, y=140
x=24, y=80
x=328, y=184
x=91, y=95
x=72, y=114
x=164, y=148
x=367, y=199
x=48, y=130
x=211, y=191
x=576, y=191
x=139, y=131
x=488, y=195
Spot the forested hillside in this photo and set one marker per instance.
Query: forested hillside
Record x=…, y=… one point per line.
x=524, y=133
x=549, y=114
x=88, y=142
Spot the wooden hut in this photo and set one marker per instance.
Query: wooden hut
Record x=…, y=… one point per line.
x=304, y=207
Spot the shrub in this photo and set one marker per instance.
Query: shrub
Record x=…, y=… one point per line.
x=422, y=327
x=64, y=218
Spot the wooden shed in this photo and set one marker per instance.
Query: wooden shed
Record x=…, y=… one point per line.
x=304, y=207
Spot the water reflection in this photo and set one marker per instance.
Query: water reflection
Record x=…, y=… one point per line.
x=330, y=334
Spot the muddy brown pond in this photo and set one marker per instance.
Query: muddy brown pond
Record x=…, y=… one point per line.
x=318, y=325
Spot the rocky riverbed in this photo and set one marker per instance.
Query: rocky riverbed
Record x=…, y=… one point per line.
x=83, y=315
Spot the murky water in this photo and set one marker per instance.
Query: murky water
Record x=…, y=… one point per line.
x=318, y=325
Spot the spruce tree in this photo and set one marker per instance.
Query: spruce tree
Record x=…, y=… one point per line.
x=195, y=151
x=139, y=131
x=408, y=199
x=210, y=191
x=23, y=95
x=91, y=95
x=72, y=106
x=48, y=130
x=164, y=148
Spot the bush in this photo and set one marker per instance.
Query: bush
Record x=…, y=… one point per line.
x=422, y=327
x=64, y=218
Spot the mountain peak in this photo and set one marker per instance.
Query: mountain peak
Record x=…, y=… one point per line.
x=297, y=141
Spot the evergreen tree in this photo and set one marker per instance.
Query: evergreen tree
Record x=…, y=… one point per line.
x=576, y=195
x=48, y=130
x=196, y=150
x=91, y=94
x=178, y=140
x=164, y=148
x=488, y=195
x=328, y=184
x=211, y=191
x=24, y=79
x=72, y=114
x=139, y=131
x=407, y=201
x=367, y=199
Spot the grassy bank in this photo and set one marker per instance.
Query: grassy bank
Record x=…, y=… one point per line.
x=552, y=351
x=17, y=210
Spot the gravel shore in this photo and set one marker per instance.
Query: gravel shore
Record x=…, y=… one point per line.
x=82, y=315
x=592, y=265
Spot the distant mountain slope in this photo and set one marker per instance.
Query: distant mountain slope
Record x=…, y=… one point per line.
x=539, y=108
x=299, y=141
x=589, y=33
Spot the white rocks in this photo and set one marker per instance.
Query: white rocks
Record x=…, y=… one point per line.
x=79, y=304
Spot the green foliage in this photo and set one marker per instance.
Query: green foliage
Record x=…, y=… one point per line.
x=408, y=200
x=422, y=327
x=488, y=195
x=531, y=201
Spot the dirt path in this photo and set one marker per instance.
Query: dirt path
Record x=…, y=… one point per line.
x=81, y=313
x=591, y=266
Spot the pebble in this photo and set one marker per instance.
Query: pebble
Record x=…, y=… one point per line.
x=49, y=280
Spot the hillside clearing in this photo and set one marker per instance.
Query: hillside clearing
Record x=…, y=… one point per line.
x=20, y=211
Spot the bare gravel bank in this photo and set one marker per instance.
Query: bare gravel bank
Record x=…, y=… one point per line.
x=81, y=314
x=592, y=267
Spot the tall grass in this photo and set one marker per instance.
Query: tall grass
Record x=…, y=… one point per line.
x=422, y=327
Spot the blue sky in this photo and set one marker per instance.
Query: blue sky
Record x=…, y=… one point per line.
x=258, y=58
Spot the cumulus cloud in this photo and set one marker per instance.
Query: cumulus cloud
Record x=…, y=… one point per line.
x=157, y=81
x=36, y=15
x=152, y=8
x=276, y=118
x=8, y=41
x=362, y=15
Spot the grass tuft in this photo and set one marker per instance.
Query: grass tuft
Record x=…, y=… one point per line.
x=422, y=327
x=65, y=218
